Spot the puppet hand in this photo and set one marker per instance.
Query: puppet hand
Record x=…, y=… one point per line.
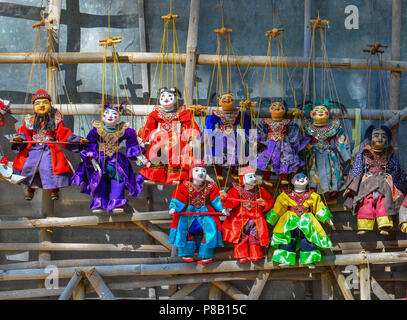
x=141, y=160
x=404, y=227
x=222, y=195
x=329, y=221
x=225, y=212
x=297, y=113
x=172, y=211
x=18, y=139
x=261, y=202
x=347, y=192
x=83, y=141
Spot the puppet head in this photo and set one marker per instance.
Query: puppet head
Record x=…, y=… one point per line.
x=44, y=113
x=319, y=112
x=300, y=181
x=111, y=115
x=198, y=172
x=379, y=137
x=278, y=110
x=227, y=102
x=247, y=176
x=168, y=98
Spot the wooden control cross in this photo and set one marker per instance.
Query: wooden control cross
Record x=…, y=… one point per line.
x=170, y=17
x=274, y=33
x=247, y=104
x=318, y=23
x=375, y=48
x=109, y=41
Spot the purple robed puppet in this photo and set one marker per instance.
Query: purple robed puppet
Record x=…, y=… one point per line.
x=105, y=172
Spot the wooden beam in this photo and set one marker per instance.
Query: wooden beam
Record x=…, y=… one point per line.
x=340, y=279
x=326, y=287
x=155, y=232
x=214, y=293
x=79, y=291
x=72, y=284
x=230, y=290
x=364, y=280
x=99, y=285
x=143, y=48
x=379, y=291
x=30, y=293
x=184, y=291
x=258, y=285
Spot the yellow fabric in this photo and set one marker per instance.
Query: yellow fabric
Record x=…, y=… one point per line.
x=283, y=201
x=368, y=224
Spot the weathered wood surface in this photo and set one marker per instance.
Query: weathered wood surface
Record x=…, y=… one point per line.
x=364, y=280
x=71, y=286
x=378, y=290
x=258, y=285
x=99, y=285
x=230, y=290
x=340, y=279
x=326, y=287
x=184, y=291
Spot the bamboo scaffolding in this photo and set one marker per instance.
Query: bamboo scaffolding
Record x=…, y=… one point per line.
x=202, y=59
x=230, y=290
x=72, y=284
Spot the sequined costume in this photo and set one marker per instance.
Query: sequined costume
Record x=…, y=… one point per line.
x=200, y=232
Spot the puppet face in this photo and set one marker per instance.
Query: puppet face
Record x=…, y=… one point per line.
x=379, y=139
x=300, y=180
x=250, y=178
x=167, y=100
x=227, y=102
x=111, y=117
x=199, y=174
x=277, y=110
x=42, y=106
x=319, y=114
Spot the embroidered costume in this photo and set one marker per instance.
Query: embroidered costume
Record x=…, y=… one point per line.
x=282, y=141
x=377, y=182
x=330, y=150
x=169, y=154
x=108, y=186
x=297, y=215
x=246, y=227
x=196, y=232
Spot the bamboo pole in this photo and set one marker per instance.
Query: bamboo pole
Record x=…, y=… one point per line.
x=215, y=267
x=49, y=246
x=214, y=292
x=230, y=290
x=258, y=285
x=307, y=47
x=202, y=59
x=379, y=291
x=99, y=285
x=191, y=50
x=72, y=284
x=184, y=291
x=326, y=287
x=30, y=293
x=155, y=232
x=79, y=291
x=143, y=48
x=340, y=279
x=364, y=280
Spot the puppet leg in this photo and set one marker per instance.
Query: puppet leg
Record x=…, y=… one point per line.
x=309, y=253
x=192, y=242
x=176, y=175
x=29, y=194
x=101, y=196
x=241, y=249
x=285, y=254
x=384, y=221
x=366, y=214
x=117, y=200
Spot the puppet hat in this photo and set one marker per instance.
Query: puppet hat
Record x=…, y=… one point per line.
x=243, y=171
x=41, y=94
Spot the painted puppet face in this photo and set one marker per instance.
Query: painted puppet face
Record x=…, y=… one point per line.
x=300, y=180
x=250, y=178
x=111, y=117
x=42, y=106
x=167, y=100
x=227, y=102
x=320, y=114
x=277, y=110
x=199, y=174
x=379, y=139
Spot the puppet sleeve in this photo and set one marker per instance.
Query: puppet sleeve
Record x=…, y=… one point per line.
x=295, y=137
x=280, y=207
x=23, y=133
x=266, y=196
x=398, y=174
x=214, y=198
x=342, y=145
x=133, y=149
x=179, y=198
x=319, y=209
x=151, y=124
x=355, y=174
x=231, y=194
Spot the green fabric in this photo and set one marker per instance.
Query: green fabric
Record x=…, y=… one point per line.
x=323, y=215
x=357, y=127
x=272, y=217
x=304, y=224
x=284, y=257
x=308, y=257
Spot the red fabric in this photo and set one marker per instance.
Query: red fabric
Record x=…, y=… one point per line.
x=41, y=94
x=59, y=163
x=256, y=252
x=208, y=193
x=153, y=174
x=179, y=153
x=4, y=160
x=240, y=215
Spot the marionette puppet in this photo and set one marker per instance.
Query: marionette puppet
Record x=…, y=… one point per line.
x=280, y=141
x=105, y=173
x=195, y=206
x=296, y=214
x=376, y=183
x=222, y=127
x=246, y=227
x=403, y=216
x=38, y=146
x=168, y=130
x=329, y=149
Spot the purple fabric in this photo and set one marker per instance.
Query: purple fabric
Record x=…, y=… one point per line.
x=283, y=154
x=38, y=166
x=91, y=181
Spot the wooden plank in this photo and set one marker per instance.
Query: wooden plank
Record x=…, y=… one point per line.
x=30, y=293
x=71, y=286
x=79, y=291
x=230, y=290
x=326, y=287
x=99, y=285
x=378, y=290
x=47, y=246
x=184, y=291
x=364, y=280
x=258, y=285
x=340, y=279
x=214, y=293
x=373, y=245
x=155, y=232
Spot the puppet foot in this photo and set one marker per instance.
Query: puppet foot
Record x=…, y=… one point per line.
x=118, y=210
x=187, y=259
x=29, y=196
x=311, y=266
x=54, y=195
x=205, y=261
x=267, y=183
x=361, y=232
x=384, y=232
x=243, y=260
x=97, y=210
x=284, y=182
